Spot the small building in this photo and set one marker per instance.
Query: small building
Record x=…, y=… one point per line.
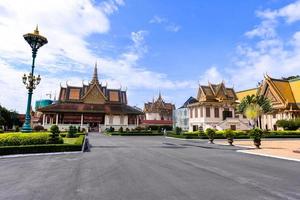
x=215, y=108
x=158, y=113
x=181, y=116
x=284, y=95
x=93, y=106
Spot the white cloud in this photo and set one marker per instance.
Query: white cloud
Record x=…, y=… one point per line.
x=168, y=25
x=212, y=74
x=173, y=28
x=271, y=53
x=67, y=56
x=158, y=20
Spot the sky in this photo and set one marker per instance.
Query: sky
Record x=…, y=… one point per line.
x=147, y=46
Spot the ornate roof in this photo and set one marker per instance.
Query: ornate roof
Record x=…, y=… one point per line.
x=216, y=93
x=284, y=94
x=93, y=93
x=159, y=106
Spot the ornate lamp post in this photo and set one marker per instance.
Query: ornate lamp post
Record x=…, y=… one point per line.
x=35, y=40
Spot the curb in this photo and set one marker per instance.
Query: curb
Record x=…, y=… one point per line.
x=267, y=155
x=39, y=154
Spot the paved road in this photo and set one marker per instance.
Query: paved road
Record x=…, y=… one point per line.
x=150, y=168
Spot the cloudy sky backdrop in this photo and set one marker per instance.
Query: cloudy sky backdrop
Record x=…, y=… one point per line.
x=147, y=45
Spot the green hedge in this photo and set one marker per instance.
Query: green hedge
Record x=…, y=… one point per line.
x=141, y=133
x=237, y=135
x=43, y=148
x=15, y=139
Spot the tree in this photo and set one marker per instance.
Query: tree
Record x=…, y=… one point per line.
x=8, y=118
x=254, y=106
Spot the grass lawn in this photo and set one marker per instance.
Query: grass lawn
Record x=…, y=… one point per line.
x=69, y=140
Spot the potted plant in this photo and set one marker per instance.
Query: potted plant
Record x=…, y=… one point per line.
x=210, y=134
x=229, y=134
x=256, y=134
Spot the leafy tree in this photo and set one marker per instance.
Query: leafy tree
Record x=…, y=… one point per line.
x=254, y=106
x=8, y=118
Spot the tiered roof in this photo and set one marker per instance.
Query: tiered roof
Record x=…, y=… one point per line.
x=92, y=98
x=94, y=88
x=159, y=106
x=284, y=94
x=216, y=93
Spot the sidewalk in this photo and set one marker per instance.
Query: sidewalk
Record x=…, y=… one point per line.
x=276, y=148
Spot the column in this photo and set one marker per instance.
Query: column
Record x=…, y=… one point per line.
x=44, y=115
x=56, y=120
x=137, y=120
x=81, y=122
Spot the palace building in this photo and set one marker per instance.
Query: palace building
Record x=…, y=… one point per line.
x=181, y=116
x=215, y=108
x=284, y=96
x=158, y=113
x=93, y=106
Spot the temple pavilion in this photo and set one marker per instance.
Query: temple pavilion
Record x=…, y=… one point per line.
x=92, y=106
x=158, y=113
x=284, y=95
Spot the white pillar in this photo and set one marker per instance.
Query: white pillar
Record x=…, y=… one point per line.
x=44, y=115
x=56, y=120
x=137, y=120
x=81, y=123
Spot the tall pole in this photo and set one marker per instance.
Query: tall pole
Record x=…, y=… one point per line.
x=27, y=125
x=35, y=40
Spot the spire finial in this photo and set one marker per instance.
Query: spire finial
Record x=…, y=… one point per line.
x=95, y=75
x=159, y=95
x=36, y=31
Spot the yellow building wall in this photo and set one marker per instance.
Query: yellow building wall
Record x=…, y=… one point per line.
x=240, y=95
x=295, y=86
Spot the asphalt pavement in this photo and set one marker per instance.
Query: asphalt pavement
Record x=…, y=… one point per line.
x=150, y=168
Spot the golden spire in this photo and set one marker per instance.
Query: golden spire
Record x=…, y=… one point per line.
x=36, y=31
x=95, y=75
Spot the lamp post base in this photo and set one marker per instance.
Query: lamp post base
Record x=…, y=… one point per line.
x=26, y=128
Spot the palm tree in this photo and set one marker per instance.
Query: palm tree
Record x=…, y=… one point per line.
x=254, y=106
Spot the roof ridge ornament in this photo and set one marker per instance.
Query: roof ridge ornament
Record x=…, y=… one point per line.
x=95, y=75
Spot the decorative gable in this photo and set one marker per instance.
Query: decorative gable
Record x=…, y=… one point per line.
x=270, y=92
x=94, y=95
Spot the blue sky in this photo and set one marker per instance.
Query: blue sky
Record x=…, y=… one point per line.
x=147, y=46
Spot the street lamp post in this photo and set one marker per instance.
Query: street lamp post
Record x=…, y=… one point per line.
x=35, y=40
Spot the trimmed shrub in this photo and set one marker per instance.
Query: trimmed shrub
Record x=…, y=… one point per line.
x=228, y=134
x=15, y=139
x=210, y=134
x=121, y=129
x=127, y=130
x=72, y=132
x=54, y=136
x=111, y=129
x=178, y=130
x=255, y=134
x=38, y=128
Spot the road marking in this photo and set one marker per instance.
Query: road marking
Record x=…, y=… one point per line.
x=267, y=155
x=39, y=154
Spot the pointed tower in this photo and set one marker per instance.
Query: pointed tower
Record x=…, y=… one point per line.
x=159, y=96
x=95, y=75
